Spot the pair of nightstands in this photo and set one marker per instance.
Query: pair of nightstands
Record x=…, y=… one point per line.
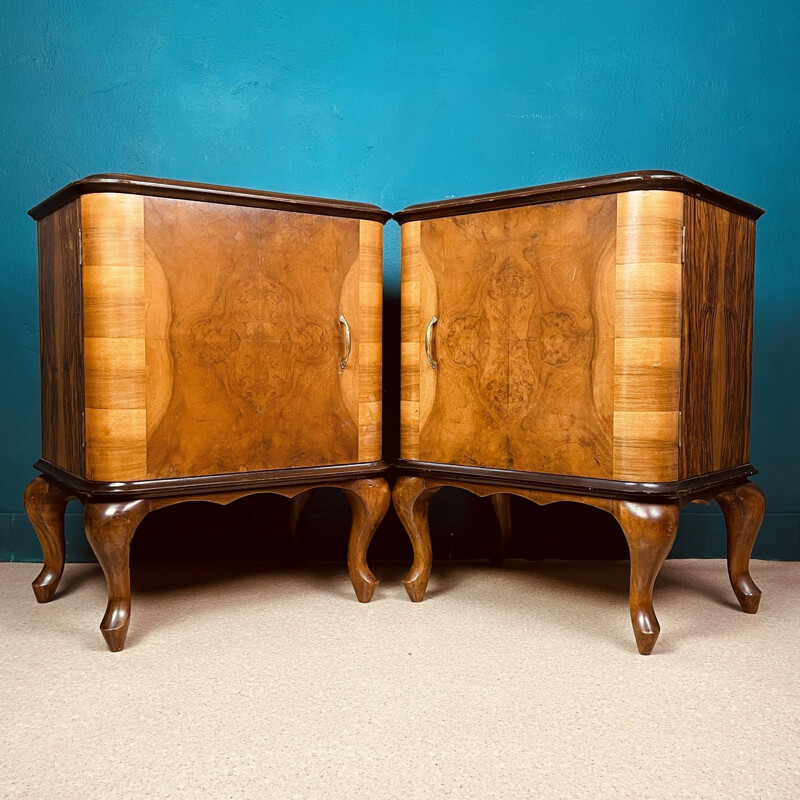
x=586, y=341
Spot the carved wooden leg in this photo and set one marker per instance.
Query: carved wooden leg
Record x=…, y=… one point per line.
x=501, y=503
x=297, y=505
x=650, y=530
x=45, y=504
x=369, y=500
x=412, y=497
x=743, y=508
x=109, y=529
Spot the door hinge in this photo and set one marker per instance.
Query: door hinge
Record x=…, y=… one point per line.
x=83, y=430
x=80, y=247
x=680, y=429
x=683, y=245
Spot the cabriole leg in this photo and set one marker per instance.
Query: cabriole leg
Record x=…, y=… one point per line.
x=297, y=505
x=109, y=529
x=412, y=498
x=45, y=504
x=743, y=507
x=650, y=530
x=501, y=503
x=369, y=500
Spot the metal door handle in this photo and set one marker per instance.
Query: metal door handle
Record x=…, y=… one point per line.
x=428, y=337
x=343, y=321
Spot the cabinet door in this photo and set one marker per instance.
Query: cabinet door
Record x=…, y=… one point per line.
x=524, y=341
x=244, y=343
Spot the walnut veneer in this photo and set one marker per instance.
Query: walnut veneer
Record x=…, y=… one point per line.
x=591, y=341
x=203, y=342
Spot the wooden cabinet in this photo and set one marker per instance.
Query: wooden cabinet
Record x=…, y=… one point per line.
x=202, y=341
x=588, y=340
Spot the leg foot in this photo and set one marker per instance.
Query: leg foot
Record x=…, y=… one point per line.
x=650, y=530
x=369, y=500
x=45, y=504
x=109, y=529
x=501, y=503
x=743, y=508
x=412, y=498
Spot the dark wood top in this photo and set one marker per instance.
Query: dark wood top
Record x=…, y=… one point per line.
x=207, y=193
x=261, y=480
x=572, y=484
x=569, y=190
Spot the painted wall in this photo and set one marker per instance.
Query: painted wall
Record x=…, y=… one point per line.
x=400, y=102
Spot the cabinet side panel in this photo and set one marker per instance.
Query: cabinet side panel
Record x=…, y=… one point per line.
x=370, y=338
x=114, y=336
x=647, y=336
x=61, y=339
x=717, y=338
x=409, y=341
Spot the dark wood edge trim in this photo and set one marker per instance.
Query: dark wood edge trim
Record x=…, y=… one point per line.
x=598, y=487
x=208, y=484
x=570, y=190
x=203, y=192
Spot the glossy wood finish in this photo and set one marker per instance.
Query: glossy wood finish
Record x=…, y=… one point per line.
x=525, y=344
x=61, y=338
x=114, y=336
x=647, y=336
x=650, y=527
x=558, y=338
x=369, y=353
x=717, y=338
x=667, y=399
x=109, y=529
x=111, y=524
x=45, y=504
x=412, y=497
x=413, y=316
x=657, y=491
x=743, y=507
x=205, y=193
x=369, y=500
x=185, y=298
x=645, y=180
x=209, y=484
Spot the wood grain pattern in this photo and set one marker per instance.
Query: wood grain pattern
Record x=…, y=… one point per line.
x=45, y=504
x=650, y=529
x=206, y=193
x=620, y=182
x=369, y=337
x=524, y=342
x=743, y=507
x=647, y=346
x=61, y=339
x=410, y=340
x=717, y=338
x=114, y=336
x=244, y=341
x=212, y=342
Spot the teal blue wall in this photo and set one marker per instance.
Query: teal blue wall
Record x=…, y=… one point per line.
x=400, y=102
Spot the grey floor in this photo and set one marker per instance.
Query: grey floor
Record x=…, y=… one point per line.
x=523, y=681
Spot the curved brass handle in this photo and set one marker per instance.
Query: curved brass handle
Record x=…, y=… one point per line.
x=428, y=337
x=343, y=321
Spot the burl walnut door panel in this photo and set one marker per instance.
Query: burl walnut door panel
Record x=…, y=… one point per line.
x=244, y=341
x=524, y=340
